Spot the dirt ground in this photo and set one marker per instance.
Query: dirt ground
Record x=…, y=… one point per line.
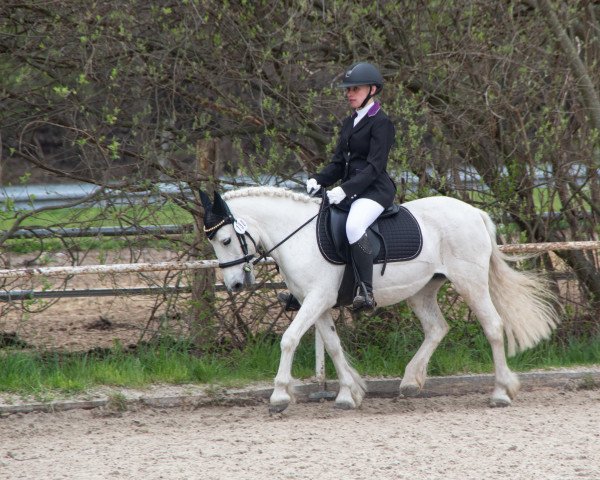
x=546, y=434
x=83, y=323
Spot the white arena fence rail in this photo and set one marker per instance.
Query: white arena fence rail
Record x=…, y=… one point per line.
x=122, y=268
x=204, y=264
x=66, y=232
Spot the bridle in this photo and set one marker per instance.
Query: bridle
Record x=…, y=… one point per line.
x=237, y=227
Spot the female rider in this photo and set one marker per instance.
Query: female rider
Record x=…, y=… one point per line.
x=359, y=163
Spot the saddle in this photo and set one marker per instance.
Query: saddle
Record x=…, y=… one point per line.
x=395, y=237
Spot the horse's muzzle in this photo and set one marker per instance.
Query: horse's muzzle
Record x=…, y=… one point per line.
x=247, y=281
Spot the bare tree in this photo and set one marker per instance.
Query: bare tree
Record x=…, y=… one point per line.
x=495, y=102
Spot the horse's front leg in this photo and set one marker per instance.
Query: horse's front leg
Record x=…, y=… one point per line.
x=312, y=308
x=352, y=386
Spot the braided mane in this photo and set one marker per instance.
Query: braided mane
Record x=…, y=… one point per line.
x=269, y=192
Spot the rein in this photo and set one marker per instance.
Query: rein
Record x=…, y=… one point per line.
x=265, y=254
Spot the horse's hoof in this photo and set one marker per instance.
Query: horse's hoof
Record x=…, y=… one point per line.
x=277, y=408
x=409, y=391
x=344, y=405
x=500, y=402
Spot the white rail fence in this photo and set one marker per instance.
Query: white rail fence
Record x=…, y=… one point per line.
x=204, y=264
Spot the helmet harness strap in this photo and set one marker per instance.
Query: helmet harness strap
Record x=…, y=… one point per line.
x=370, y=95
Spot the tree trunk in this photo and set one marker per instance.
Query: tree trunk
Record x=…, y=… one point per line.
x=586, y=271
x=586, y=86
x=204, y=328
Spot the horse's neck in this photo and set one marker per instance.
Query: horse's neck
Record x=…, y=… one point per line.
x=274, y=218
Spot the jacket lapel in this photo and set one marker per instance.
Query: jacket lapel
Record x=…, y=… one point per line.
x=363, y=121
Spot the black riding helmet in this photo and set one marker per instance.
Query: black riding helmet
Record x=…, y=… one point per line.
x=363, y=73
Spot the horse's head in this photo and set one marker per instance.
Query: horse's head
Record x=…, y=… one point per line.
x=228, y=238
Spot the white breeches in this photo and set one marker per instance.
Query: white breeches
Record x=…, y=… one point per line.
x=363, y=212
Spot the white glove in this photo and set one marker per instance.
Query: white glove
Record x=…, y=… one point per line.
x=336, y=195
x=312, y=186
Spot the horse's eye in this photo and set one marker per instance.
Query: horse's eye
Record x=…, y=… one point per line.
x=227, y=241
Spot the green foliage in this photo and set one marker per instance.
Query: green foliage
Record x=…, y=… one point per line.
x=127, y=92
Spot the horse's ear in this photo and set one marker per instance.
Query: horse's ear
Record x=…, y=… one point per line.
x=219, y=207
x=205, y=200
x=215, y=213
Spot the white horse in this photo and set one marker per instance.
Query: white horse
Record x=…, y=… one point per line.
x=459, y=242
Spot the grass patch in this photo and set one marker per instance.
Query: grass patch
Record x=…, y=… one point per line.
x=168, y=213
x=113, y=216
x=30, y=373
x=466, y=350
x=45, y=374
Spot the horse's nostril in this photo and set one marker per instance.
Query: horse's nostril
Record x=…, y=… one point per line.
x=236, y=287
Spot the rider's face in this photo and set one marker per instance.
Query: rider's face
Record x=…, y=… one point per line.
x=356, y=95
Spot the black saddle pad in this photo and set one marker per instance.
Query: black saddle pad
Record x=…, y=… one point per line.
x=400, y=234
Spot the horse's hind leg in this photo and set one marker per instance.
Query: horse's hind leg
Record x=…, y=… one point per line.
x=477, y=296
x=352, y=387
x=424, y=305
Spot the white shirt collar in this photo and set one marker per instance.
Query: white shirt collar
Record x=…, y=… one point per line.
x=361, y=112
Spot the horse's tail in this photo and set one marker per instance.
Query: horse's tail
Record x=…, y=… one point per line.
x=523, y=300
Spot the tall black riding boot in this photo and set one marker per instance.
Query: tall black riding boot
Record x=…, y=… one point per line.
x=362, y=262
x=290, y=302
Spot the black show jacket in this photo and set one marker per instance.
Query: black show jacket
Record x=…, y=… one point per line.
x=360, y=159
